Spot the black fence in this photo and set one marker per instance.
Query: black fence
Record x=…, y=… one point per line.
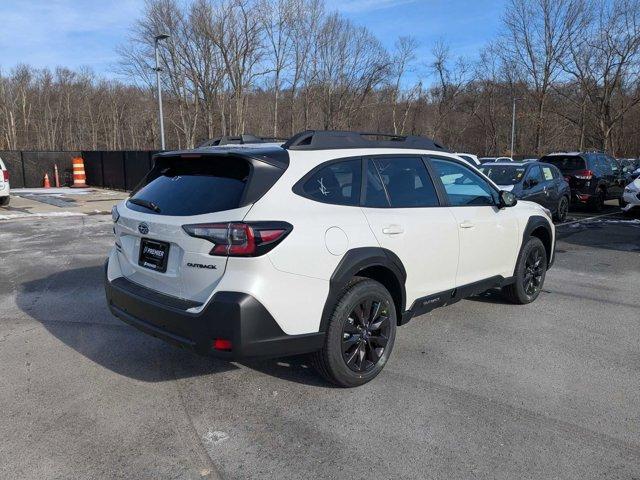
x=27, y=169
x=119, y=170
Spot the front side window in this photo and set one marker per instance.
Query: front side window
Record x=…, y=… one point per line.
x=463, y=187
x=337, y=183
x=399, y=182
x=535, y=176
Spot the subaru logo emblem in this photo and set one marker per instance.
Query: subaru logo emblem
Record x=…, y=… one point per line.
x=143, y=228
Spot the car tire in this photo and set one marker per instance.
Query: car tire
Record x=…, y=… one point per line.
x=530, y=273
x=598, y=204
x=356, y=337
x=622, y=203
x=562, y=210
x=4, y=201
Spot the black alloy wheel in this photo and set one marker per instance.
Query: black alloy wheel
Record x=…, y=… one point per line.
x=529, y=274
x=563, y=210
x=365, y=334
x=534, y=271
x=359, y=336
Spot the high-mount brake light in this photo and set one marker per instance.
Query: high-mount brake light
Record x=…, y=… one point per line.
x=238, y=239
x=584, y=174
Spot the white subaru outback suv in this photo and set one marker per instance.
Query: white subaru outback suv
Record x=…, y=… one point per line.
x=324, y=245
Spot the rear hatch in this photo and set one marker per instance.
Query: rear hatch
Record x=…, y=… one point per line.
x=573, y=168
x=155, y=250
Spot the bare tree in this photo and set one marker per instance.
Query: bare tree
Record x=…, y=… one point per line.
x=538, y=33
x=605, y=61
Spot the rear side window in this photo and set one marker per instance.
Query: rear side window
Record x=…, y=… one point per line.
x=192, y=186
x=337, y=183
x=401, y=182
x=565, y=163
x=547, y=173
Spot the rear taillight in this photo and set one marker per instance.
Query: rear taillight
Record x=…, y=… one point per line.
x=239, y=239
x=584, y=174
x=5, y=174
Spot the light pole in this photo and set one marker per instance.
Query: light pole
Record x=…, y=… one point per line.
x=157, y=38
x=513, y=125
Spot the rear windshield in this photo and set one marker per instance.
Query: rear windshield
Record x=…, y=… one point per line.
x=503, y=174
x=566, y=163
x=192, y=186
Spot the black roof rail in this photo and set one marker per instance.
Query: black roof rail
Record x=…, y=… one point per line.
x=336, y=139
x=239, y=140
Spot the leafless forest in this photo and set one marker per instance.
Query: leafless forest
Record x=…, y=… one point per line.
x=274, y=67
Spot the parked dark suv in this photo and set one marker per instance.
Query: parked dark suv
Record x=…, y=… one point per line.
x=593, y=177
x=534, y=181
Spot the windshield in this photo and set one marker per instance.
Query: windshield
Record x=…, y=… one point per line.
x=503, y=174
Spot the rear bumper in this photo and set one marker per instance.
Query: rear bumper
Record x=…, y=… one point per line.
x=233, y=316
x=579, y=197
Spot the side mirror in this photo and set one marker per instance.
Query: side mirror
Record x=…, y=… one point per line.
x=507, y=199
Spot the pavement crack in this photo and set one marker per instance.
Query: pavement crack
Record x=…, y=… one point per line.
x=195, y=438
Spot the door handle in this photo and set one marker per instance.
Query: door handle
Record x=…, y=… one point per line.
x=392, y=230
x=467, y=224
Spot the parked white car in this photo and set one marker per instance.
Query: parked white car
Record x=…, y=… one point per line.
x=631, y=195
x=469, y=157
x=324, y=245
x=4, y=184
x=495, y=159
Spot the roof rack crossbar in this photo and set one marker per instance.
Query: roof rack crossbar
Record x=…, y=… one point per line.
x=336, y=139
x=239, y=140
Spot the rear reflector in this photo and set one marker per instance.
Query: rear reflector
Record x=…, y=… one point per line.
x=222, y=344
x=240, y=239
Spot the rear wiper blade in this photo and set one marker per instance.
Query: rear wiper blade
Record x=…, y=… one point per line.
x=145, y=204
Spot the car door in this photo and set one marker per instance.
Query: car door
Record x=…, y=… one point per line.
x=533, y=187
x=617, y=183
x=403, y=209
x=551, y=188
x=489, y=236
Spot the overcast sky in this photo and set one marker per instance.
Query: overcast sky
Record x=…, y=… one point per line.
x=78, y=33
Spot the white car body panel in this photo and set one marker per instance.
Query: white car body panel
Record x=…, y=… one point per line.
x=631, y=195
x=4, y=185
x=489, y=240
x=427, y=244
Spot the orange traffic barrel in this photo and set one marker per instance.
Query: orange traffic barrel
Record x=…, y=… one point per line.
x=79, y=178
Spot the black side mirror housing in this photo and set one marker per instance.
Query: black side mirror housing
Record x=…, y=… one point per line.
x=507, y=199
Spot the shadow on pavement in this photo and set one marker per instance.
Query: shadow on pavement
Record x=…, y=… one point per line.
x=619, y=233
x=71, y=305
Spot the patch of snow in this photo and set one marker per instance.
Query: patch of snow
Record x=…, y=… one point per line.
x=214, y=437
x=12, y=216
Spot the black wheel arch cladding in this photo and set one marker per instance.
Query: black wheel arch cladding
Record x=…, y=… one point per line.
x=376, y=263
x=538, y=226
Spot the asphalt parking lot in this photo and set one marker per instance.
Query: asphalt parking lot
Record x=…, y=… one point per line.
x=481, y=389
